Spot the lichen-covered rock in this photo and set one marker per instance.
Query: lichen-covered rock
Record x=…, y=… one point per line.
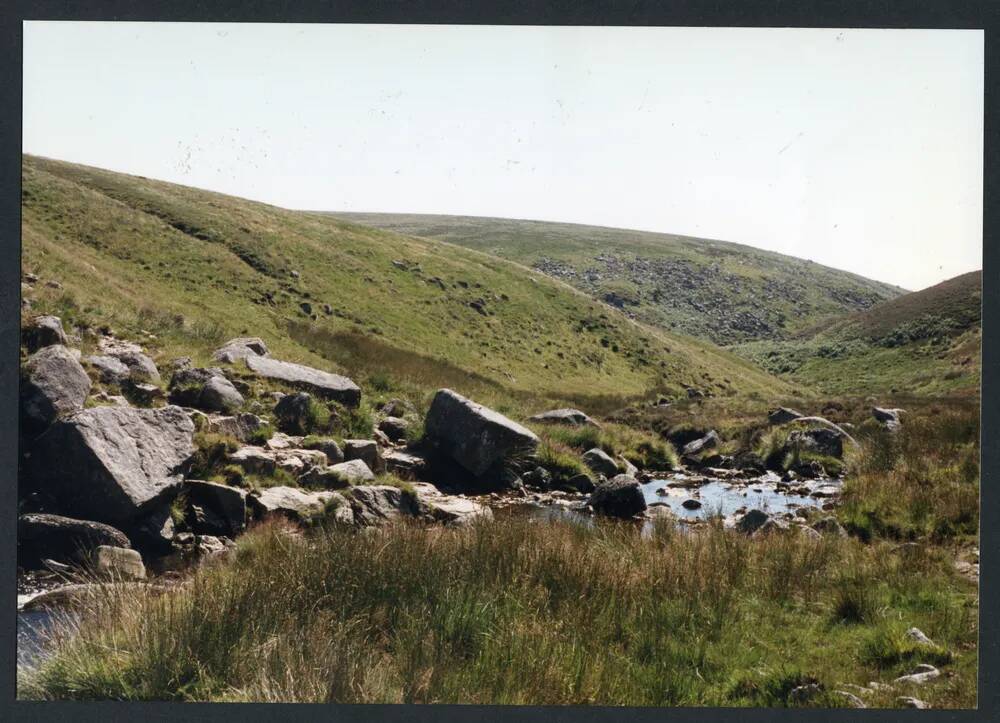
x=111, y=463
x=477, y=438
x=54, y=385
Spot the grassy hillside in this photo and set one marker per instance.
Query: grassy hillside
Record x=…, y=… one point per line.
x=927, y=342
x=183, y=269
x=715, y=290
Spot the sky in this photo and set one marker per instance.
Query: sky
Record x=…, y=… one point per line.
x=858, y=149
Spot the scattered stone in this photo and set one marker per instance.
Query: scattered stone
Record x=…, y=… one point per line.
x=219, y=395
x=782, y=415
x=54, y=385
x=354, y=471
x=141, y=367
x=477, y=438
x=404, y=464
x=109, y=369
x=917, y=636
x=770, y=526
x=332, y=386
x=41, y=536
x=601, y=462
x=572, y=417
x=113, y=463
x=396, y=408
x=908, y=702
x=181, y=363
x=254, y=460
x=581, y=483
x=752, y=521
x=288, y=502
x=43, y=331
x=620, y=496
x=889, y=418
x=240, y=348
x=329, y=447
x=118, y=563
x=828, y=442
x=394, y=428
x=240, y=426
x=923, y=673
x=227, y=503
x=364, y=449
x=709, y=441
x=691, y=504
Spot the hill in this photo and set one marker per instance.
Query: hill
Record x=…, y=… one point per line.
x=927, y=342
x=723, y=292
x=183, y=269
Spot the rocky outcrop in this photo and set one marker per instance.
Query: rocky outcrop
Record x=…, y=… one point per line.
x=43, y=331
x=331, y=386
x=111, y=463
x=219, y=395
x=450, y=509
x=240, y=348
x=572, y=417
x=600, y=462
x=477, y=438
x=44, y=536
x=141, y=367
x=54, y=385
x=620, y=496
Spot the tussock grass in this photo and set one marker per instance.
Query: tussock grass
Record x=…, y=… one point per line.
x=510, y=612
x=643, y=449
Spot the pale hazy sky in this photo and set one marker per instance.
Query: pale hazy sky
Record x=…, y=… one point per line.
x=859, y=149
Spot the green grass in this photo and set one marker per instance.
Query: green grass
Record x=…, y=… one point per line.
x=193, y=268
x=519, y=613
x=783, y=293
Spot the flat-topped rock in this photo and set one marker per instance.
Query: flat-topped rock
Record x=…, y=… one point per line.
x=573, y=417
x=474, y=436
x=240, y=348
x=112, y=463
x=404, y=464
x=289, y=502
x=354, y=471
x=332, y=386
x=450, y=509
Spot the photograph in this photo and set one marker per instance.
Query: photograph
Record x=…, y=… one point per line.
x=499, y=365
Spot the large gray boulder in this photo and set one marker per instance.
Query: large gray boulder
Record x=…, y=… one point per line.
x=43, y=536
x=620, y=496
x=207, y=389
x=477, y=438
x=240, y=426
x=353, y=471
x=141, y=368
x=240, y=348
x=219, y=395
x=824, y=441
x=573, y=417
x=600, y=462
x=377, y=504
x=404, y=464
x=43, y=331
x=54, y=385
x=111, y=464
x=332, y=386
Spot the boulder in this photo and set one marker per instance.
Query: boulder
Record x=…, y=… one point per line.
x=113, y=463
x=538, y=478
x=288, y=502
x=43, y=331
x=141, y=368
x=709, y=441
x=752, y=521
x=749, y=462
x=600, y=461
x=219, y=395
x=404, y=464
x=118, y=563
x=573, y=417
x=889, y=418
x=829, y=526
x=54, y=384
x=908, y=702
x=325, y=478
x=332, y=386
x=153, y=532
x=240, y=348
x=228, y=504
x=254, y=460
x=394, y=428
x=917, y=636
x=353, y=471
x=377, y=504
x=923, y=673
x=293, y=413
x=691, y=504
x=396, y=408
x=620, y=496
x=329, y=447
x=450, y=509
x=42, y=536
x=109, y=369
x=477, y=438
x=824, y=441
x=581, y=483
x=782, y=415
x=240, y=426
x=364, y=449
